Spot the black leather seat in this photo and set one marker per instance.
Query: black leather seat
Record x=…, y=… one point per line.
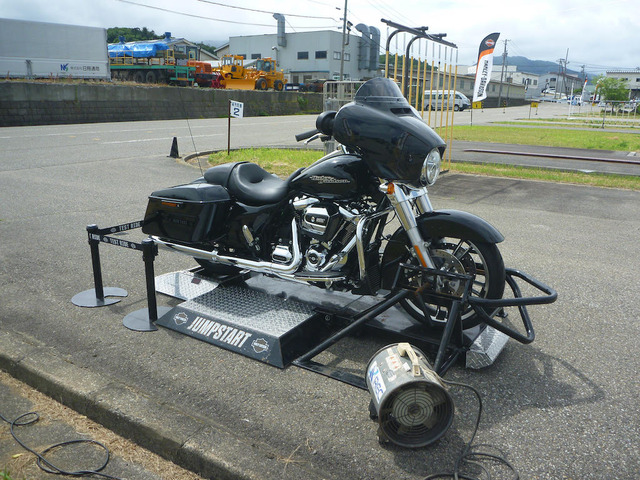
x=219, y=175
x=253, y=185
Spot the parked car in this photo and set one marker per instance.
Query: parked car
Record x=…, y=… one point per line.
x=439, y=99
x=313, y=86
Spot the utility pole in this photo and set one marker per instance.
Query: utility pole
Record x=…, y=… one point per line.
x=564, y=77
x=563, y=71
x=344, y=34
x=504, y=61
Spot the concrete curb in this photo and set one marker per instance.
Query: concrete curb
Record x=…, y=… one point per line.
x=195, y=444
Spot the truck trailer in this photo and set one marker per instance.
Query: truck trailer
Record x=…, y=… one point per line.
x=51, y=50
x=152, y=61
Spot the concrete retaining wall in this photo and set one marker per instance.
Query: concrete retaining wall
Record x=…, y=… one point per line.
x=35, y=103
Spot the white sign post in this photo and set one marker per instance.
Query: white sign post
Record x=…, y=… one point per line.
x=236, y=109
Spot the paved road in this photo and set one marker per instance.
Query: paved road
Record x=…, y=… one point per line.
x=562, y=407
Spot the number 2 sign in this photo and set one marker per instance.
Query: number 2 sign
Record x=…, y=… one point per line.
x=236, y=109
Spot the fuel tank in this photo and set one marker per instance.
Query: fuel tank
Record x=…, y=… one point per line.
x=337, y=176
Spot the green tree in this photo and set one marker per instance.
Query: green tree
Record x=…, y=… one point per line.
x=131, y=34
x=613, y=89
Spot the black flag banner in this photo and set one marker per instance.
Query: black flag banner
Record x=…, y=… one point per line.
x=484, y=67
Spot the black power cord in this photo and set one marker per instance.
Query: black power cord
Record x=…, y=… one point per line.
x=32, y=417
x=471, y=455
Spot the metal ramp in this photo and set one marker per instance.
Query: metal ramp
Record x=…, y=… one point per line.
x=264, y=327
x=277, y=322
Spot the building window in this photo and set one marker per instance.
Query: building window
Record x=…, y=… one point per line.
x=336, y=55
x=303, y=55
x=255, y=56
x=347, y=57
x=321, y=54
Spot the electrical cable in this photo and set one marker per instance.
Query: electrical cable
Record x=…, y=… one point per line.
x=31, y=418
x=470, y=455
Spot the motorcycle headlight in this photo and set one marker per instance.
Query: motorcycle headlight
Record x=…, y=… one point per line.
x=431, y=168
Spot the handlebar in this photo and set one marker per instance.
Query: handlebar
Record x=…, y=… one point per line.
x=305, y=135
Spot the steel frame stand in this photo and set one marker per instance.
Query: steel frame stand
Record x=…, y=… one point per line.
x=452, y=341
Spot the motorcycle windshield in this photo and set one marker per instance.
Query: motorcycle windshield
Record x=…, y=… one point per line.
x=379, y=89
x=390, y=135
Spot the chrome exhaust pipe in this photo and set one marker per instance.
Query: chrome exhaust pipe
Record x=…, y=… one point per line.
x=255, y=266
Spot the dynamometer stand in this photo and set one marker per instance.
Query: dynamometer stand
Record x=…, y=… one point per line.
x=95, y=297
x=143, y=320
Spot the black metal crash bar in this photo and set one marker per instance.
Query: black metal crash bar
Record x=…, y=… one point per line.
x=479, y=305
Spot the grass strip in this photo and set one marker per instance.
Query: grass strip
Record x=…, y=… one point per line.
x=550, y=137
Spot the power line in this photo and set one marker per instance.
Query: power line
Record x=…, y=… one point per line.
x=263, y=11
x=202, y=17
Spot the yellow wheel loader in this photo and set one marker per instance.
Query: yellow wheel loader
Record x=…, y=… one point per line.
x=261, y=77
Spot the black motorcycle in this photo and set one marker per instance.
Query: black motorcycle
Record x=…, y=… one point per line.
x=329, y=224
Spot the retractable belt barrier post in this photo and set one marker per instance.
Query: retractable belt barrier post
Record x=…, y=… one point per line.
x=95, y=297
x=141, y=320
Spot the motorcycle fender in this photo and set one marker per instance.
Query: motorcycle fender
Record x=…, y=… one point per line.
x=459, y=224
x=440, y=223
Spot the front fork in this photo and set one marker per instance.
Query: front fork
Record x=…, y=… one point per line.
x=402, y=202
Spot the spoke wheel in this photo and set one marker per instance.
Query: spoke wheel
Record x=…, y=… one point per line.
x=482, y=261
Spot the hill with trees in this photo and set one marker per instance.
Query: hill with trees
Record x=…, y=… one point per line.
x=131, y=34
x=538, y=67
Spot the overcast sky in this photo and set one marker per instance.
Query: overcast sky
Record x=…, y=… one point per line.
x=599, y=34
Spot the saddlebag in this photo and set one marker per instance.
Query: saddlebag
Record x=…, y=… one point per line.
x=186, y=213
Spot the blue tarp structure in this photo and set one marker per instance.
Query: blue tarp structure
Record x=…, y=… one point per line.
x=137, y=49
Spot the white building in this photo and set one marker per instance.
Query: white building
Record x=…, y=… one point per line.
x=307, y=56
x=631, y=77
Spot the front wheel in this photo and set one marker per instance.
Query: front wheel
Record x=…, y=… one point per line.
x=480, y=260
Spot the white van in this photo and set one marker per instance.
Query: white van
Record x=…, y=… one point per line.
x=438, y=98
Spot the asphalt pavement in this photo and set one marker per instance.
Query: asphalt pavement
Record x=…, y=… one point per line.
x=563, y=407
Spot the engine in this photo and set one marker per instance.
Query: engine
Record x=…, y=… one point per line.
x=326, y=229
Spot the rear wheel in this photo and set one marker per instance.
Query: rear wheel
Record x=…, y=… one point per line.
x=138, y=77
x=480, y=260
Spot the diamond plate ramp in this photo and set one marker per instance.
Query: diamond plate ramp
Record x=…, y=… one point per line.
x=258, y=325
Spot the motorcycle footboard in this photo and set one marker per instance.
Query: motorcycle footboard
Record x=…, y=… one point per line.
x=482, y=305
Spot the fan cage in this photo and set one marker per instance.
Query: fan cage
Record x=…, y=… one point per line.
x=416, y=415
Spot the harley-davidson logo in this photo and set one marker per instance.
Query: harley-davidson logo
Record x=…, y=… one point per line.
x=490, y=43
x=328, y=179
x=180, y=318
x=260, y=345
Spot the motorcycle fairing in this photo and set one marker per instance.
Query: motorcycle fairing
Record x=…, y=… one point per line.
x=389, y=134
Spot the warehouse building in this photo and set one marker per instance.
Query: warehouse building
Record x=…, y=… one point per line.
x=308, y=56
